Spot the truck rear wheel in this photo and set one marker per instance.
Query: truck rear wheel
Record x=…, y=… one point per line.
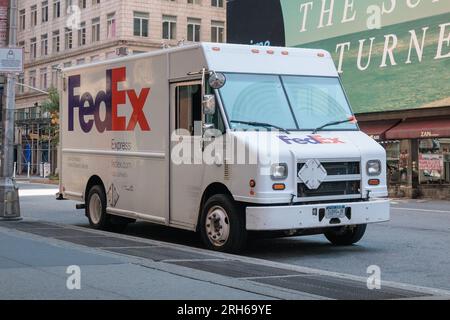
x=345, y=236
x=96, y=212
x=222, y=224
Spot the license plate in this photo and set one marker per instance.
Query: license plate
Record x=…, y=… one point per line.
x=333, y=212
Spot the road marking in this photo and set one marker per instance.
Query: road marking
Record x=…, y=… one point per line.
x=424, y=210
x=38, y=192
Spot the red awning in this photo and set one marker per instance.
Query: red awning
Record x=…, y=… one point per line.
x=416, y=129
x=377, y=129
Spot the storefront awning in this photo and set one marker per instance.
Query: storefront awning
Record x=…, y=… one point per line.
x=416, y=129
x=377, y=129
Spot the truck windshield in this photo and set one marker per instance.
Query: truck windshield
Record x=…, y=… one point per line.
x=295, y=103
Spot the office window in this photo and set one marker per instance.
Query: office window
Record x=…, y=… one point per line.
x=217, y=31
x=94, y=2
x=67, y=64
x=82, y=4
x=68, y=41
x=21, y=80
x=111, y=25
x=169, y=27
x=193, y=29
x=33, y=48
x=69, y=3
x=32, y=78
x=44, y=45
x=54, y=83
x=194, y=1
x=56, y=9
x=43, y=78
x=44, y=11
x=95, y=58
x=56, y=41
x=34, y=16
x=81, y=61
x=95, y=29
x=82, y=34
x=22, y=20
x=140, y=24
x=217, y=3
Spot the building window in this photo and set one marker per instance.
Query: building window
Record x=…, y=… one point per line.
x=33, y=48
x=32, y=79
x=94, y=2
x=194, y=1
x=34, y=16
x=44, y=45
x=68, y=41
x=434, y=161
x=56, y=9
x=81, y=61
x=111, y=55
x=43, y=78
x=21, y=81
x=56, y=42
x=111, y=25
x=217, y=3
x=193, y=29
x=169, y=27
x=55, y=69
x=82, y=34
x=217, y=31
x=44, y=12
x=69, y=4
x=67, y=64
x=140, y=24
x=22, y=20
x=96, y=30
x=82, y=4
x=95, y=58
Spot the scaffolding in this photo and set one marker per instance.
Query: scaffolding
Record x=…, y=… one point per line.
x=35, y=152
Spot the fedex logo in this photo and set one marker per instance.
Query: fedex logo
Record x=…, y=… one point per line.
x=89, y=106
x=311, y=139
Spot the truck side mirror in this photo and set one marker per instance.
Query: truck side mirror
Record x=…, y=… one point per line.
x=209, y=104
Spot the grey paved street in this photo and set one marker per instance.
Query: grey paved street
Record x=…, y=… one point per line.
x=411, y=249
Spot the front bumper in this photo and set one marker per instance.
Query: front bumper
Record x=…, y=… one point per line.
x=307, y=216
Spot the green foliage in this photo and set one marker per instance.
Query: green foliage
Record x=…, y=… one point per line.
x=51, y=105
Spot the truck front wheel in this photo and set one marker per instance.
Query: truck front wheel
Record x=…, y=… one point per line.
x=345, y=236
x=222, y=224
x=96, y=212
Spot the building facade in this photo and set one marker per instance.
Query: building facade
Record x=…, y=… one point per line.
x=63, y=33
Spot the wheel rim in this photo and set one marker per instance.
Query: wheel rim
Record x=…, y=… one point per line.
x=95, y=208
x=217, y=226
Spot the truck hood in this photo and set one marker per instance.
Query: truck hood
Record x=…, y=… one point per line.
x=305, y=145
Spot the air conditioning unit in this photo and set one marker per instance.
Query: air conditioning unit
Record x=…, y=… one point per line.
x=122, y=51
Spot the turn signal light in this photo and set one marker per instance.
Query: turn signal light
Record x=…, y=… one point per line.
x=279, y=186
x=374, y=182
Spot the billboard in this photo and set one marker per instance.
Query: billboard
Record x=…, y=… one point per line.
x=392, y=54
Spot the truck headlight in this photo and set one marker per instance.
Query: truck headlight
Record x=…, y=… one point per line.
x=373, y=167
x=279, y=171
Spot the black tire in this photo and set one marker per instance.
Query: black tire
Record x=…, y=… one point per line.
x=237, y=237
x=104, y=221
x=345, y=236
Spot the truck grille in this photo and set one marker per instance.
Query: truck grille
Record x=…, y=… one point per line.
x=343, y=181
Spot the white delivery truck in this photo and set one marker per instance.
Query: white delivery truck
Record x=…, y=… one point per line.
x=124, y=122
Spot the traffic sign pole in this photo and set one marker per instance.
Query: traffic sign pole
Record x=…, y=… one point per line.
x=9, y=193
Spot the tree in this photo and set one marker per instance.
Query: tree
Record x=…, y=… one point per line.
x=51, y=105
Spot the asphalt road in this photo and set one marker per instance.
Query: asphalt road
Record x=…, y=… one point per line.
x=412, y=248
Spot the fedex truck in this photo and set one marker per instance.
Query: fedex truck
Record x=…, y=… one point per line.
x=220, y=139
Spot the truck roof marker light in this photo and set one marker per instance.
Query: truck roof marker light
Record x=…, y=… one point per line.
x=270, y=52
x=285, y=53
x=252, y=183
x=321, y=54
x=215, y=49
x=255, y=51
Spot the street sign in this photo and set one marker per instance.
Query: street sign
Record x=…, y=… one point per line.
x=11, y=60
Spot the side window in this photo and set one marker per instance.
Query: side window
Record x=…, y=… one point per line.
x=189, y=108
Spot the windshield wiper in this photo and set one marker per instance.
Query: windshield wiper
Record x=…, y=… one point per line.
x=333, y=123
x=260, y=124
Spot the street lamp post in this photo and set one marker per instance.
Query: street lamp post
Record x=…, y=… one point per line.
x=9, y=194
